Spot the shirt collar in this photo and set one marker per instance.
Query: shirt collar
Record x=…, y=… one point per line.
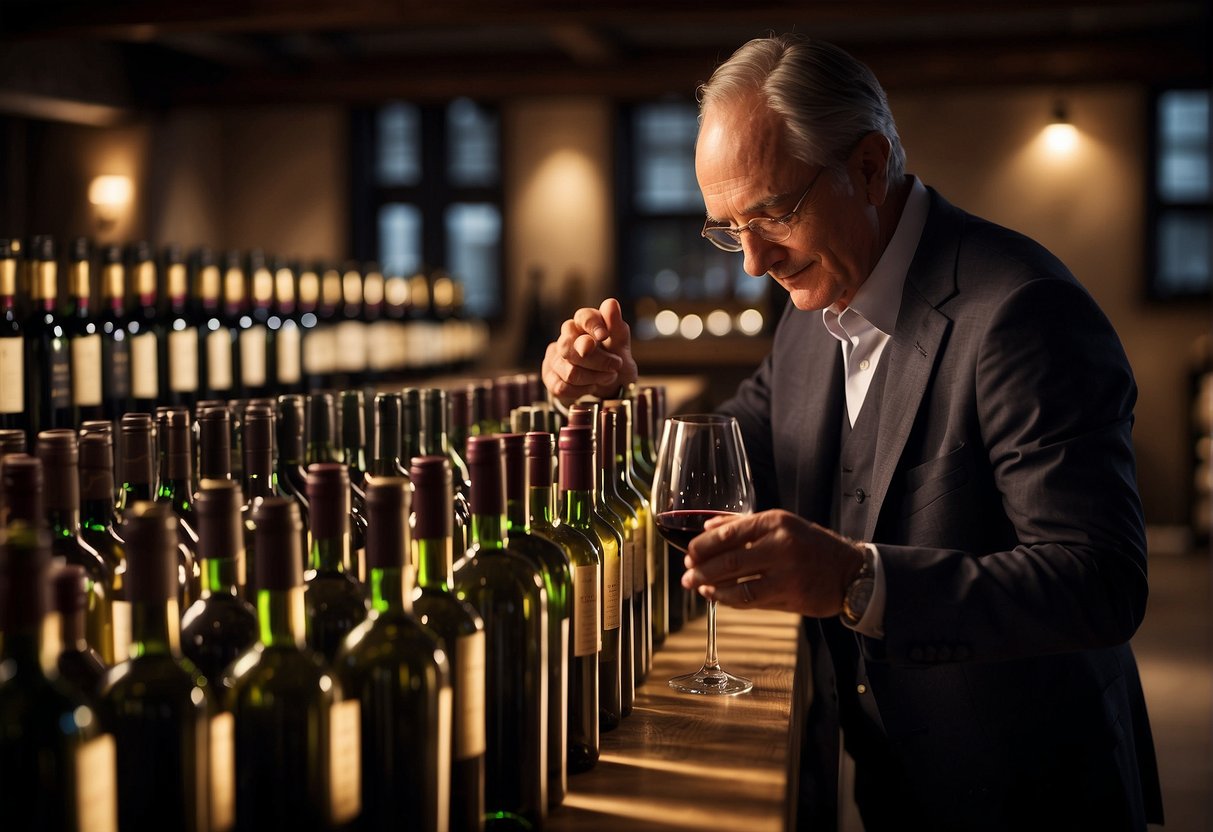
x=879, y=298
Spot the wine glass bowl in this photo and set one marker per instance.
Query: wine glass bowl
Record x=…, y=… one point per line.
x=702, y=472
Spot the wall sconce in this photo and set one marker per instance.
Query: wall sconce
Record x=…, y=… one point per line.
x=1061, y=137
x=110, y=197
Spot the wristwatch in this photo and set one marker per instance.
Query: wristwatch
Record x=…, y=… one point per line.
x=859, y=591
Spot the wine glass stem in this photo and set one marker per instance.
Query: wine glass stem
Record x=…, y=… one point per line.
x=710, y=662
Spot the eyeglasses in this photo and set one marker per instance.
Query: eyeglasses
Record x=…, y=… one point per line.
x=773, y=230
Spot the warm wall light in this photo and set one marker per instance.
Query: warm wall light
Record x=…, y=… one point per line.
x=110, y=196
x=1061, y=137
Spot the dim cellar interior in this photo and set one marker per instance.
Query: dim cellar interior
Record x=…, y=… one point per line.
x=277, y=282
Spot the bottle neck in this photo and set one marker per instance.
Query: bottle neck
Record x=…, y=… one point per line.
x=155, y=628
x=320, y=452
x=63, y=522
x=388, y=590
x=489, y=532
x=97, y=514
x=259, y=477
x=71, y=630
x=282, y=617
x=577, y=509
x=220, y=576
x=434, y=562
x=540, y=508
x=331, y=554
x=517, y=517
x=176, y=492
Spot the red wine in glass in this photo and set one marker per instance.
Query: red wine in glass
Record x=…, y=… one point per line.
x=681, y=527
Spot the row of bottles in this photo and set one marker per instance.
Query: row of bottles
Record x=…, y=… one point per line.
x=174, y=330
x=331, y=633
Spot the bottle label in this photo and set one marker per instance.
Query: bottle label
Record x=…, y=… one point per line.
x=12, y=375
x=379, y=345
x=351, y=346
x=144, y=370
x=223, y=773
x=117, y=366
x=640, y=571
x=219, y=359
x=289, y=370
x=318, y=352
x=86, y=370
x=183, y=360
x=445, y=715
x=628, y=566
x=611, y=601
x=252, y=356
x=587, y=623
x=97, y=785
x=60, y=376
x=345, y=761
x=120, y=613
x=469, y=696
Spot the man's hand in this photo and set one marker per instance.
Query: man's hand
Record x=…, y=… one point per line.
x=592, y=356
x=800, y=567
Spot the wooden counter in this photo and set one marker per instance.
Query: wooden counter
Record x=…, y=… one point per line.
x=686, y=762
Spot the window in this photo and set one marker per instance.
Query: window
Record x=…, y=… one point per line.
x=1180, y=249
x=677, y=282
x=427, y=194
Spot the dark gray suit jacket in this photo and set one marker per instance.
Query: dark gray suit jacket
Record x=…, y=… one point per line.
x=1005, y=508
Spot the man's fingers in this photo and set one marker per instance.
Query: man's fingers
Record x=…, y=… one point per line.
x=619, y=333
x=725, y=534
x=756, y=592
x=592, y=323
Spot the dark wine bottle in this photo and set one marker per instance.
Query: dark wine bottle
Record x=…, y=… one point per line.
x=292, y=477
x=576, y=537
x=621, y=517
x=285, y=324
x=156, y=703
x=298, y=761
x=78, y=663
x=136, y=462
x=85, y=336
x=179, y=365
x=236, y=317
x=459, y=418
x=507, y=591
x=144, y=330
x=461, y=630
x=353, y=451
x=644, y=464
x=115, y=340
x=321, y=430
x=434, y=436
x=219, y=351
x=60, y=457
x=258, y=358
x=350, y=330
x=553, y=563
x=386, y=458
x=97, y=530
x=411, y=420
x=377, y=328
x=48, y=358
x=398, y=672
x=176, y=489
x=12, y=344
x=56, y=764
x=214, y=444
x=336, y=602
x=319, y=294
x=220, y=625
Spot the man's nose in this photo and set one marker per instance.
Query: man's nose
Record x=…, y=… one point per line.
x=760, y=255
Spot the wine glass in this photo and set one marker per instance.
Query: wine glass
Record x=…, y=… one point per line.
x=702, y=472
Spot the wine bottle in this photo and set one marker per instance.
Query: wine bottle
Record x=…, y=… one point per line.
x=12, y=443
x=97, y=530
x=156, y=702
x=320, y=429
x=620, y=515
x=399, y=673
x=481, y=409
x=434, y=435
x=385, y=446
x=260, y=480
x=350, y=330
x=49, y=382
x=176, y=489
x=298, y=761
x=136, y=460
x=258, y=343
x=577, y=538
x=461, y=630
x=459, y=419
x=12, y=344
x=214, y=444
x=60, y=458
x=288, y=333
x=645, y=464
x=335, y=600
x=292, y=477
x=412, y=418
x=85, y=337
x=319, y=338
x=56, y=763
x=378, y=330
x=178, y=357
x=77, y=662
x=236, y=318
x=144, y=332
x=115, y=339
x=554, y=567
x=507, y=591
x=219, y=351
x=220, y=625
x=677, y=599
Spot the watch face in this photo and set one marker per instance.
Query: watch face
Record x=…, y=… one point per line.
x=859, y=595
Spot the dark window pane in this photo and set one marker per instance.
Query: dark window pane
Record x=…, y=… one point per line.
x=398, y=145
x=1185, y=251
x=664, y=137
x=472, y=144
x=399, y=238
x=473, y=235
x=672, y=261
x=1183, y=146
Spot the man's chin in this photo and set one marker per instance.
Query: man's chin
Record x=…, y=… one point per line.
x=808, y=300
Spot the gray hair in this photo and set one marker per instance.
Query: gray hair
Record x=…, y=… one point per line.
x=828, y=100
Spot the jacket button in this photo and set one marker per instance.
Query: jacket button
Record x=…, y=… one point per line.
x=861, y=689
x=860, y=495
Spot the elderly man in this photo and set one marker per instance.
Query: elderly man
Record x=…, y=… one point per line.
x=940, y=440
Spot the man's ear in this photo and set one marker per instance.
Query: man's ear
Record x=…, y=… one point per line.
x=870, y=161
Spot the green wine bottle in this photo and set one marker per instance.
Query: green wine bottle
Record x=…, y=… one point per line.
x=336, y=602
x=397, y=670
x=77, y=662
x=97, y=529
x=627, y=524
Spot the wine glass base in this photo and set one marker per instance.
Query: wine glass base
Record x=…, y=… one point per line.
x=713, y=682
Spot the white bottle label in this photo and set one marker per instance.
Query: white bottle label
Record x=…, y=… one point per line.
x=289, y=370
x=144, y=372
x=445, y=715
x=587, y=623
x=97, y=785
x=183, y=361
x=379, y=345
x=86, y=370
x=12, y=375
x=318, y=351
x=469, y=696
x=223, y=773
x=219, y=359
x=612, y=575
x=345, y=761
x=252, y=356
x=120, y=613
x=351, y=346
